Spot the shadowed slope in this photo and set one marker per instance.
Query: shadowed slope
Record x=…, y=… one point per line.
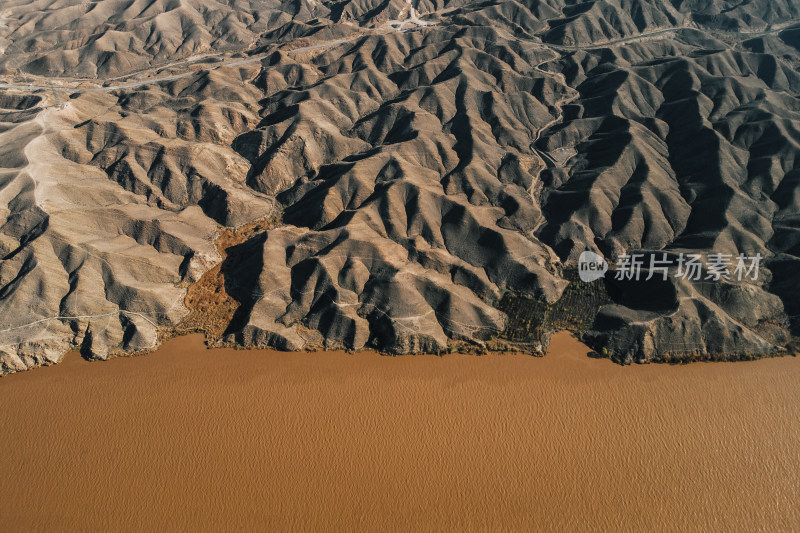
x=421, y=176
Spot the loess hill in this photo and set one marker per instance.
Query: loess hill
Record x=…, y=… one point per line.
x=356, y=174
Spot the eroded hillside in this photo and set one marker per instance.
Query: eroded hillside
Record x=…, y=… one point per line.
x=418, y=168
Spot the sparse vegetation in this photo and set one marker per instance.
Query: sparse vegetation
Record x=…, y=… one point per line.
x=530, y=321
x=211, y=307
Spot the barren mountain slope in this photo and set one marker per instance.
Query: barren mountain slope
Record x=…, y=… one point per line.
x=428, y=164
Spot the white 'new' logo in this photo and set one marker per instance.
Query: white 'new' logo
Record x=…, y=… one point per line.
x=591, y=266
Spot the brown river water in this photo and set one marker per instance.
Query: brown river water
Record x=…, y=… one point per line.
x=193, y=439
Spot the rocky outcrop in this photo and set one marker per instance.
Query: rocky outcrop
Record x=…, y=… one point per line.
x=676, y=320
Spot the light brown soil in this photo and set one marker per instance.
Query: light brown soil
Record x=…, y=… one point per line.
x=195, y=439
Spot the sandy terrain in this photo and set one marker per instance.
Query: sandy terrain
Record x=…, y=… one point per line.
x=220, y=439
